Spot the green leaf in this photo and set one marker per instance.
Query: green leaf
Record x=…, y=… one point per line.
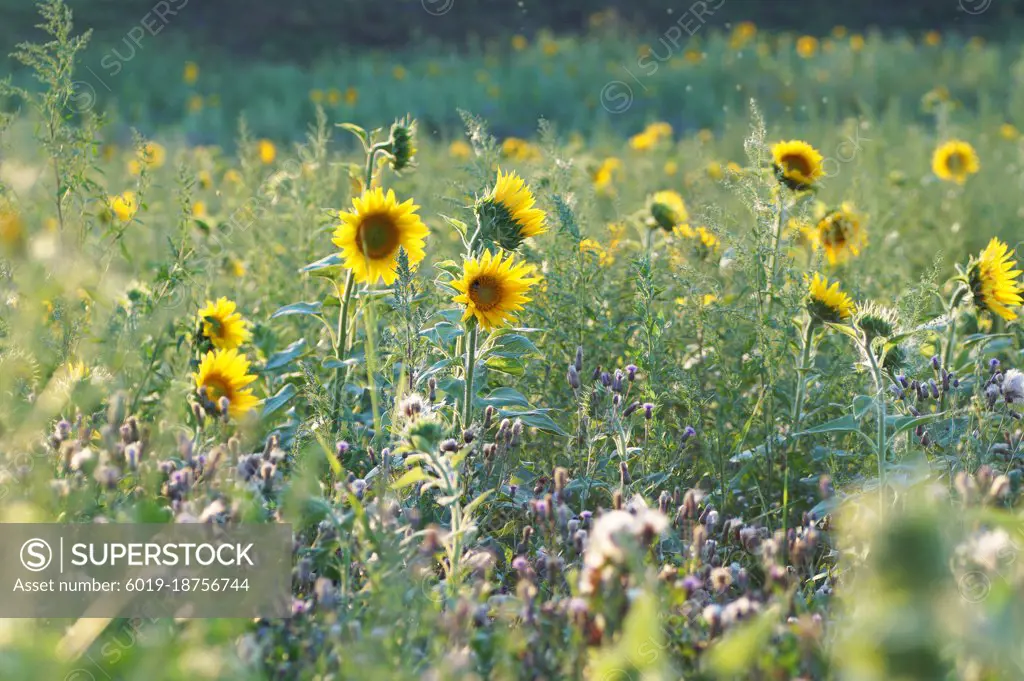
x=286, y=356
x=451, y=267
x=273, y=404
x=534, y=418
x=512, y=346
x=329, y=266
x=503, y=397
x=410, y=478
x=843, y=424
x=506, y=365
x=901, y=424
x=459, y=225
x=861, y=405
x=363, y=136
x=298, y=308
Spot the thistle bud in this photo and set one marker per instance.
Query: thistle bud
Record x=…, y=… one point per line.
x=606, y=379
x=597, y=373
x=578, y=362
x=617, y=381
x=341, y=448
x=617, y=500
x=648, y=411
x=432, y=389
x=573, y=377
x=561, y=479
x=631, y=370
x=468, y=436
x=450, y=445
x=488, y=416
x=624, y=477
x=935, y=362
x=688, y=432
x=630, y=409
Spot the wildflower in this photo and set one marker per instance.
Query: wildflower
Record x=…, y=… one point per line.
x=369, y=237
x=670, y=168
x=1009, y=131
x=827, y=303
x=797, y=164
x=153, y=154
x=994, y=281
x=232, y=177
x=668, y=210
x=195, y=103
x=955, y=161
x=351, y=96
x=199, y=210
x=840, y=234
x=399, y=72
x=807, y=46
x=124, y=205
x=222, y=325
x=493, y=288
x=191, y=73
x=705, y=243
x=519, y=42
x=223, y=376
x=267, y=151
x=648, y=410
x=605, y=172
x=519, y=149
x=857, y=42
x=316, y=96
x=507, y=213
x=932, y=38
x=460, y=149
x=742, y=34
x=402, y=144
x=714, y=170
x=593, y=247
x=839, y=32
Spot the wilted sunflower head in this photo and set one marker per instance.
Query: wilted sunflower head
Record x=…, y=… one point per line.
x=402, y=145
x=493, y=288
x=224, y=374
x=797, y=164
x=372, y=234
x=827, y=303
x=507, y=213
x=841, y=234
x=877, y=321
x=994, y=281
x=668, y=210
x=222, y=325
x=954, y=161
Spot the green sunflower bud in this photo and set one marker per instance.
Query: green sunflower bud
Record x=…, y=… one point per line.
x=402, y=145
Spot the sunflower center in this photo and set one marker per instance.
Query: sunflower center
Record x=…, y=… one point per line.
x=956, y=163
x=216, y=386
x=796, y=163
x=377, y=236
x=485, y=292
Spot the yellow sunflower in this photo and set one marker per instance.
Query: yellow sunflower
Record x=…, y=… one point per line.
x=124, y=206
x=827, y=303
x=369, y=237
x=266, y=151
x=668, y=210
x=507, y=213
x=797, y=164
x=11, y=227
x=493, y=288
x=225, y=374
x=954, y=161
x=994, y=280
x=841, y=234
x=223, y=325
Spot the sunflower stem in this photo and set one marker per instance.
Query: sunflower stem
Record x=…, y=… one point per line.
x=947, y=356
x=798, y=403
x=341, y=349
x=467, y=406
x=881, y=445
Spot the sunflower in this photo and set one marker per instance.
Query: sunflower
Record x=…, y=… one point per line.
x=668, y=210
x=369, y=237
x=704, y=242
x=797, y=164
x=954, y=161
x=493, y=288
x=124, y=206
x=11, y=228
x=507, y=214
x=994, y=281
x=841, y=234
x=826, y=303
x=267, y=152
x=223, y=325
x=224, y=374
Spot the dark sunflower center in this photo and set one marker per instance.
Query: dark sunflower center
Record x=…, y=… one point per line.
x=835, y=234
x=956, y=163
x=485, y=292
x=796, y=163
x=216, y=328
x=377, y=236
x=216, y=387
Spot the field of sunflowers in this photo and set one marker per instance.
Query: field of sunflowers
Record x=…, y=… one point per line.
x=716, y=381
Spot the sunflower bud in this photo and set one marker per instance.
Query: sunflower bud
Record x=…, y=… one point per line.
x=401, y=146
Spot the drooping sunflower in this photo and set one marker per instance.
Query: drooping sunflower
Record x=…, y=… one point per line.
x=825, y=302
x=493, y=288
x=508, y=214
x=797, y=164
x=994, y=282
x=668, y=210
x=369, y=237
x=841, y=234
x=954, y=161
x=225, y=374
x=222, y=325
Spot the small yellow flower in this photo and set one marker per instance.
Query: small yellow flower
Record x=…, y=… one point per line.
x=670, y=168
x=955, y=161
x=519, y=149
x=369, y=237
x=493, y=288
x=856, y=42
x=550, y=48
x=267, y=151
x=232, y=177
x=838, y=32
x=604, y=174
x=807, y=46
x=827, y=303
x=199, y=210
x=191, y=73
x=460, y=149
x=124, y=206
x=399, y=72
x=205, y=179
x=236, y=268
x=1009, y=131
x=932, y=38
x=153, y=154
x=994, y=280
x=714, y=170
x=351, y=96
x=333, y=96
x=225, y=374
x=797, y=164
x=195, y=103
x=519, y=42
x=316, y=96
x=742, y=34
x=223, y=326
x=594, y=247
